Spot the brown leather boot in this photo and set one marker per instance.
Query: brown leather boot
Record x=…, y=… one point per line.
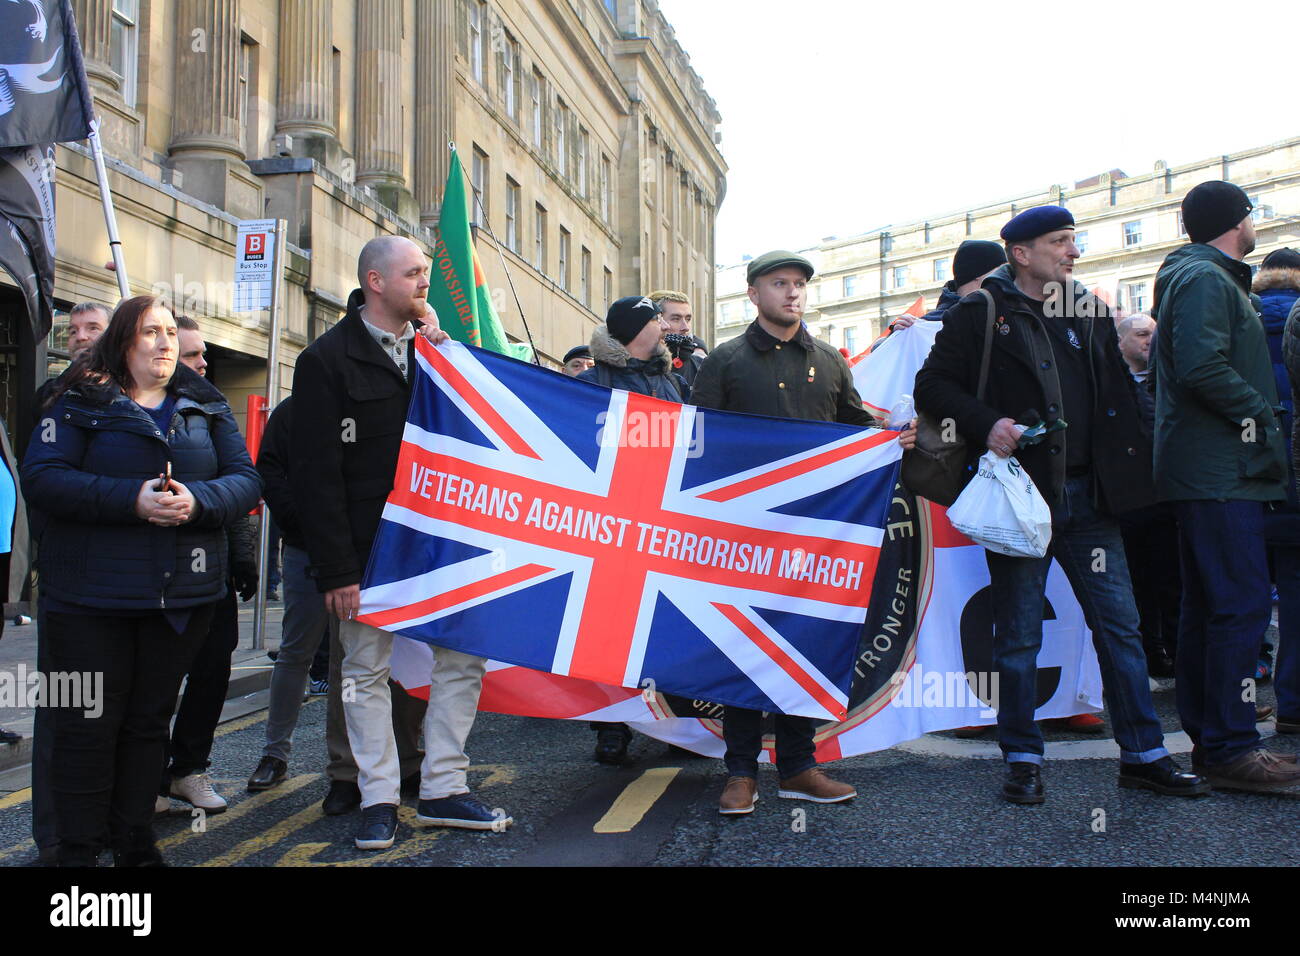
x=738, y=796
x=814, y=785
x=1257, y=771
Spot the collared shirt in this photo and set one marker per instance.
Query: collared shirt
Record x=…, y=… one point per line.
x=397, y=347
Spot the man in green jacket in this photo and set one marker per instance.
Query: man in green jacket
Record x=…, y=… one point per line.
x=1219, y=456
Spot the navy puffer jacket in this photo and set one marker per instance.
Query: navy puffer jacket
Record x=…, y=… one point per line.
x=87, y=459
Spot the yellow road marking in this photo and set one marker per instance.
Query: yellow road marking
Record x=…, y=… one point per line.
x=497, y=773
x=267, y=838
x=15, y=798
x=19, y=848
x=217, y=820
x=638, y=797
x=423, y=838
x=243, y=723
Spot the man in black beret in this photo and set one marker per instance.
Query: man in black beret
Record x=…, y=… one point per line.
x=1219, y=457
x=777, y=368
x=1055, y=360
x=577, y=360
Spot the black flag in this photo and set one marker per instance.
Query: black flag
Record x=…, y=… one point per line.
x=27, y=227
x=43, y=93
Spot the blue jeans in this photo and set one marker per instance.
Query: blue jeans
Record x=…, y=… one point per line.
x=1080, y=539
x=1226, y=608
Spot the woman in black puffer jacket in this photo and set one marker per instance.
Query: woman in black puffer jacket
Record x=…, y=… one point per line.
x=131, y=562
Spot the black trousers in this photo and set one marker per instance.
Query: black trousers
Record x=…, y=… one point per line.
x=1151, y=547
x=190, y=747
x=104, y=768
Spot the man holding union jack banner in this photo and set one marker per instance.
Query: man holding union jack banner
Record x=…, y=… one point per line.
x=777, y=368
x=351, y=391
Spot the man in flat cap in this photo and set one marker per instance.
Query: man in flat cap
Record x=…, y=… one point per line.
x=1219, y=457
x=1055, y=360
x=777, y=368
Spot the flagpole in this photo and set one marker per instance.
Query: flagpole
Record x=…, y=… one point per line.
x=110, y=217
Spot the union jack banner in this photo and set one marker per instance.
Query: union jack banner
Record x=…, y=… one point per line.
x=607, y=536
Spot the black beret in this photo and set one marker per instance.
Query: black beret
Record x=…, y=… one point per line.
x=1036, y=222
x=777, y=259
x=578, y=351
x=1212, y=208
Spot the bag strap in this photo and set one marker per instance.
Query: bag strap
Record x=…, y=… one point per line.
x=988, y=343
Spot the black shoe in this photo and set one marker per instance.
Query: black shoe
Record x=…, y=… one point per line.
x=1162, y=776
x=344, y=796
x=1024, y=783
x=269, y=772
x=411, y=785
x=1159, y=663
x=611, y=747
x=9, y=737
x=76, y=855
x=138, y=849
x=378, y=827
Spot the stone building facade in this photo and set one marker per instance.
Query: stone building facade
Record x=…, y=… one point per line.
x=1126, y=225
x=590, y=141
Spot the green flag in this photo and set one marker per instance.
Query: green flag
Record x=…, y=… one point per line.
x=458, y=291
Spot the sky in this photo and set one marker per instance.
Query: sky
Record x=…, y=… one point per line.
x=841, y=117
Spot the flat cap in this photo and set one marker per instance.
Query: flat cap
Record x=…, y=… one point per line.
x=777, y=259
x=1036, y=222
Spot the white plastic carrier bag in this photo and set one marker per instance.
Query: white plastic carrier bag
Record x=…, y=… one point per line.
x=1002, y=510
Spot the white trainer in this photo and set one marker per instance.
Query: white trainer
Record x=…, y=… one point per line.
x=197, y=791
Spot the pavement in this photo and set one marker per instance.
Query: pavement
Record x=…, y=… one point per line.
x=931, y=802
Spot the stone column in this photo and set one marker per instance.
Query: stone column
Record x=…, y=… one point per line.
x=205, y=143
x=305, y=95
x=435, y=82
x=379, y=103
x=94, y=20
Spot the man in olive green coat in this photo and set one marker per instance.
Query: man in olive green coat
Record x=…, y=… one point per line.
x=1219, y=456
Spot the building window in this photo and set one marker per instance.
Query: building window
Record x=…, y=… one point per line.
x=584, y=278
x=584, y=145
x=608, y=288
x=851, y=339
x=1135, y=296
x=535, y=91
x=510, y=76
x=539, y=238
x=850, y=286
x=606, y=190
x=1182, y=229
x=565, y=240
x=1261, y=211
x=561, y=137
x=123, y=45
x=900, y=276
x=512, y=215
x=247, y=89
x=1081, y=238
x=941, y=270
x=479, y=179
x=477, y=14
x=611, y=7
x=1133, y=233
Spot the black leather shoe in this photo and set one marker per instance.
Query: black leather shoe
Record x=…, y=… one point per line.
x=344, y=796
x=1159, y=663
x=1024, y=783
x=611, y=747
x=1162, y=776
x=269, y=772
